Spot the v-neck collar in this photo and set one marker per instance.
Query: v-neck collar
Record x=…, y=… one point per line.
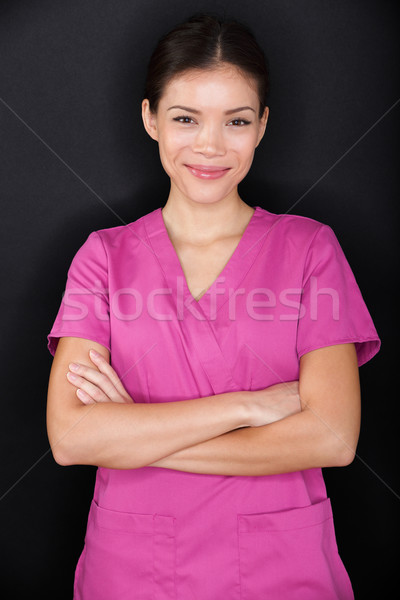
x=229, y=278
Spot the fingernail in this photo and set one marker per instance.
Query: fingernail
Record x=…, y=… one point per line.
x=94, y=353
x=71, y=376
x=73, y=366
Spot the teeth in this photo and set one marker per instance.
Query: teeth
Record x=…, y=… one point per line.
x=208, y=170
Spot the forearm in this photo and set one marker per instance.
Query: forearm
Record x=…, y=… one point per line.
x=128, y=436
x=325, y=433
x=297, y=442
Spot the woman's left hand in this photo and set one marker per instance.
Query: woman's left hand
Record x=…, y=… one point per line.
x=100, y=384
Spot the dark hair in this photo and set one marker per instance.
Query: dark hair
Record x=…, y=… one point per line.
x=206, y=41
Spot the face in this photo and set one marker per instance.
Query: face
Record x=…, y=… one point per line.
x=198, y=123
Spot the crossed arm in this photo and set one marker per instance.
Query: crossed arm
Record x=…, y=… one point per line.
x=214, y=435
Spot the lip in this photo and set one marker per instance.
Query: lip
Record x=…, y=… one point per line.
x=207, y=172
x=207, y=168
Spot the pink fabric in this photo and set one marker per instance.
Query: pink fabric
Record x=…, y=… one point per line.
x=162, y=534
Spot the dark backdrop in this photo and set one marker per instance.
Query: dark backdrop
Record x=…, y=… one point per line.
x=75, y=158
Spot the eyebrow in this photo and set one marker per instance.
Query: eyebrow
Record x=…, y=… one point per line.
x=198, y=112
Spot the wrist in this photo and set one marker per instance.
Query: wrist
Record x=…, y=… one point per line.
x=244, y=410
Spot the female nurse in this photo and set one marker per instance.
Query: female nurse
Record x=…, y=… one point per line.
x=206, y=359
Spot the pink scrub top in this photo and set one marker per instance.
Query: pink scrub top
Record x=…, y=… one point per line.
x=162, y=534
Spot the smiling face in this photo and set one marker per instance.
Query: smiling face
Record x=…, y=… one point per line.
x=198, y=123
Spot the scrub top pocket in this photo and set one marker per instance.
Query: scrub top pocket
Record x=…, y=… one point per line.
x=127, y=556
x=291, y=554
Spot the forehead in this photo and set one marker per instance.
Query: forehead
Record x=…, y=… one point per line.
x=222, y=85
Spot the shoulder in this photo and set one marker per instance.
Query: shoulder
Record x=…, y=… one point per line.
x=295, y=229
x=112, y=240
x=136, y=228
x=107, y=246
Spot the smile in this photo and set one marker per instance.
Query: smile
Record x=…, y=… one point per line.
x=207, y=172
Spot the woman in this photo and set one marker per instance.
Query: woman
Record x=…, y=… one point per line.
x=206, y=359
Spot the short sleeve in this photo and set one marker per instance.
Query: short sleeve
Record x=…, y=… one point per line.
x=84, y=310
x=333, y=310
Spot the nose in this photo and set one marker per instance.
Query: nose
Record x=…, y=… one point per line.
x=209, y=140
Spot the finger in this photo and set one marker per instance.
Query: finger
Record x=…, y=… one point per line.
x=84, y=397
x=96, y=384
x=106, y=368
x=92, y=390
x=98, y=379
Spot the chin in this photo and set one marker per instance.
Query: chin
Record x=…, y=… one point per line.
x=209, y=194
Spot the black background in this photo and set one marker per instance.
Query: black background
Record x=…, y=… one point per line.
x=75, y=158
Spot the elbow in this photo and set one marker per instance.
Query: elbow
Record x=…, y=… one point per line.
x=56, y=446
x=63, y=445
x=61, y=459
x=347, y=445
x=344, y=457
x=65, y=458
x=68, y=443
x=342, y=453
x=62, y=454
x=339, y=443
x=335, y=446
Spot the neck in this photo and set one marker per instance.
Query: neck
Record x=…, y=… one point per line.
x=198, y=223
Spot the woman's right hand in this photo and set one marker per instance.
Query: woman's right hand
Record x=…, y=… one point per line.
x=273, y=403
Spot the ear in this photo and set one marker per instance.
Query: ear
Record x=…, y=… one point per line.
x=262, y=125
x=149, y=120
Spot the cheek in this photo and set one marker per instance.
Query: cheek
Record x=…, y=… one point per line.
x=245, y=151
x=171, y=152
x=243, y=142
x=173, y=142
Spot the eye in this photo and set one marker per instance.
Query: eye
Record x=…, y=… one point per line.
x=179, y=119
x=185, y=120
x=242, y=121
